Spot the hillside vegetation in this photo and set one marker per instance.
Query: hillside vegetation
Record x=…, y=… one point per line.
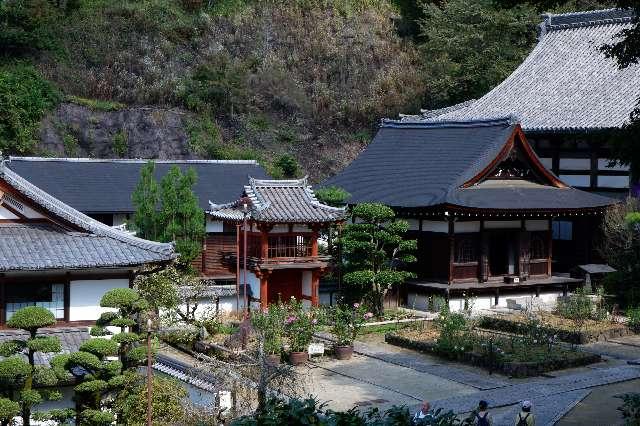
x=281, y=81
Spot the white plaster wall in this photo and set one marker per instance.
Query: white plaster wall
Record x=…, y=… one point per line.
x=536, y=225
x=575, y=163
x=6, y=214
x=547, y=162
x=306, y=283
x=576, y=180
x=435, y=226
x=502, y=224
x=414, y=224
x=207, y=307
x=456, y=304
x=253, y=281
x=462, y=227
x=85, y=295
x=613, y=181
x=214, y=225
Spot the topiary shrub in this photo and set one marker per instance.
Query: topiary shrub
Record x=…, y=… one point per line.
x=100, y=347
x=31, y=319
x=8, y=410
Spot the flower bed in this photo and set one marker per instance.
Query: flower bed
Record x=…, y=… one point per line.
x=564, y=329
x=495, y=354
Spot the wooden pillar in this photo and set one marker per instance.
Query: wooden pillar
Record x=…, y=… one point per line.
x=203, y=254
x=3, y=301
x=264, y=288
x=484, y=253
x=67, y=294
x=497, y=297
x=314, y=240
x=525, y=251
x=264, y=242
x=315, y=287
x=549, y=247
x=593, y=175
x=451, y=248
x=537, y=291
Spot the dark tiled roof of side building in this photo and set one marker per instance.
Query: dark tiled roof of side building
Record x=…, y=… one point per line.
x=71, y=338
x=410, y=164
x=43, y=246
x=566, y=84
x=279, y=201
x=105, y=185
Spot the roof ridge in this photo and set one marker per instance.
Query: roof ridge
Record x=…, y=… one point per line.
x=127, y=160
x=444, y=123
x=560, y=21
x=77, y=218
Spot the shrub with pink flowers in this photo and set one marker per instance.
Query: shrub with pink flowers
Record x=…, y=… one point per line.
x=299, y=325
x=269, y=323
x=347, y=321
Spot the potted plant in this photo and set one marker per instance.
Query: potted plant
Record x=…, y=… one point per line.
x=347, y=322
x=269, y=323
x=299, y=326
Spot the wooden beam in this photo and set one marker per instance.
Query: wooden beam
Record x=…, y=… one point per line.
x=549, y=246
x=315, y=287
x=264, y=290
x=3, y=301
x=67, y=296
x=451, y=248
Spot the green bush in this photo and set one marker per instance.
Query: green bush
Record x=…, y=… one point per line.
x=26, y=25
x=633, y=315
x=8, y=410
x=25, y=96
x=630, y=408
x=45, y=344
x=31, y=318
x=285, y=166
x=70, y=144
x=332, y=195
x=120, y=144
x=120, y=298
x=100, y=347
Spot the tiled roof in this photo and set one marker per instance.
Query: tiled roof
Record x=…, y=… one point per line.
x=422, y=164
x=71, y=338
x=566, y=84
x=284, y=201
x=31, y=246
x=105, y=185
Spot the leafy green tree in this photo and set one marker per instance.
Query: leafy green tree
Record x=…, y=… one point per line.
x=181, y=216
x=286, y=166
x=146, y=199
x=8, y=410
x=160, y=289
x=26, y=25
x=374, y=248
x=167, y=400
x=626, y=51
x=19, y=377
x=128, y=304
x=469, y=47
x=25, y=96
x=620, y=246
x=170, y=211
x=332, y=195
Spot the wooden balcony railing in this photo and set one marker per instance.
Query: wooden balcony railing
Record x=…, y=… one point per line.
x=289, y=246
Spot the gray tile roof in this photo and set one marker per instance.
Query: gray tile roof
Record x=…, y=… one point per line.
x=284, y=201
x=41, y=246
x=71, y=338
x=566, y=84
x=105, y=186
x=422, y=164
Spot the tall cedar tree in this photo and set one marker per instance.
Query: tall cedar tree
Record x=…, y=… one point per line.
x=169, y=211
x=146, y=199
x=181, y=216
x=374, y=248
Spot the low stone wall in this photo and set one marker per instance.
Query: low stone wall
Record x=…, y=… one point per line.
x=513, y=369
x=568, y=336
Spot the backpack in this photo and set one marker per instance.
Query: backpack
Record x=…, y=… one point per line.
x=521, y=421
x=482, y=421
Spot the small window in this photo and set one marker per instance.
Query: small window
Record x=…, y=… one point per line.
x=465, y=251
x=538, y=247
x=563, y=230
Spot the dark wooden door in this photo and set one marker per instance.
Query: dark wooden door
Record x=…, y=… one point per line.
x=284, y=284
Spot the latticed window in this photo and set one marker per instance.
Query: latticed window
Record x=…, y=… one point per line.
x=465, y=251
x=538, y=247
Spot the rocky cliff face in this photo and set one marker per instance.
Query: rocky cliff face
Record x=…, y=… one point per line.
x=141, y=132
